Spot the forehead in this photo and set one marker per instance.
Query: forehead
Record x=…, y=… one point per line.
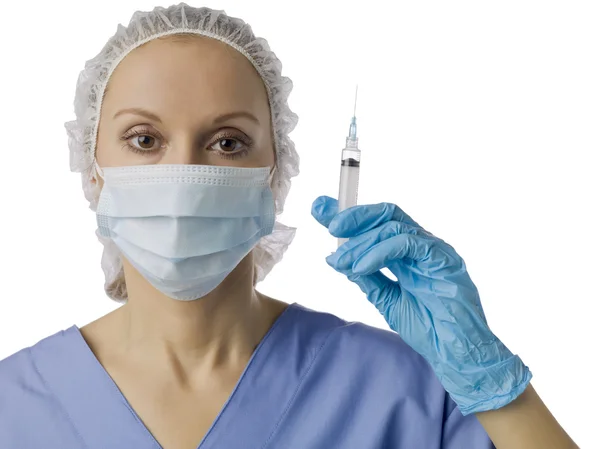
x=184, y=75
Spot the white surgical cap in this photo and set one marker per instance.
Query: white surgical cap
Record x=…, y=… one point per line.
x=143, y=27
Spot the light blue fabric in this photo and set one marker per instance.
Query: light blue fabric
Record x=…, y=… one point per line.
x=153, y=213
x=434, y=306
x=314, y=382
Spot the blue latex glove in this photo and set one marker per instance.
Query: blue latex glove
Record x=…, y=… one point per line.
x=434, y=306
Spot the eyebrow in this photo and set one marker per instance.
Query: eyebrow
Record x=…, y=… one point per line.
x=139, y=111
x=219, y=119
x=229, y=116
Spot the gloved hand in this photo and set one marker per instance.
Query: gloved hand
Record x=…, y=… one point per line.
x=434, y=306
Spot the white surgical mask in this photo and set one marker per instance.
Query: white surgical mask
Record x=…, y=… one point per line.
x=185, y=227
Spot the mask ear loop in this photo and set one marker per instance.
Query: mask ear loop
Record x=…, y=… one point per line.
x=98, y=169
x=272, y=174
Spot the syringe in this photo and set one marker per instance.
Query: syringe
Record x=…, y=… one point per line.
x=348, y=195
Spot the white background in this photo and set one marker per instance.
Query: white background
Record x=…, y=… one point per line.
x=479, y=119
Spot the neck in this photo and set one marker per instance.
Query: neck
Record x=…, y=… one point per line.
x=222, y=327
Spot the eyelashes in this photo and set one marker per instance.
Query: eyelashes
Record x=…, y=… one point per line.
x=237, y=152
x=146, y=141
x=136, y=134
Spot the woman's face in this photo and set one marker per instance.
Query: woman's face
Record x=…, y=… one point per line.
x=185, y=101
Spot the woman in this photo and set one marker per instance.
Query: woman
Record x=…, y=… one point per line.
x=182, y=140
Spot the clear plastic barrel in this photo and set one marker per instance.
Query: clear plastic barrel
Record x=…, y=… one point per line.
x=349, y=174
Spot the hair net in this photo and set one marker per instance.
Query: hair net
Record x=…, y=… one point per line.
x=176, y=19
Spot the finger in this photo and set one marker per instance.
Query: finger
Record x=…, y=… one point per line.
x=387, y=296
x=358, y=219
x=324, y=208
x=405, y=315
x=381, y=291
x=400, y=246
x=345, y=256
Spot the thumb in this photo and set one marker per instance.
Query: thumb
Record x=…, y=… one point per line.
x=324, y=208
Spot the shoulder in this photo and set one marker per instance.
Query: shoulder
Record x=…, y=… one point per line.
x=373, y=367
x=27, y=402
x=372, y=371
x=20, y=380
x=368, y=350
x=14, y=370
x=357, y=338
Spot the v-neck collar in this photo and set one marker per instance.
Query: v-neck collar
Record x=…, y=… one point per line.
x=103, y=417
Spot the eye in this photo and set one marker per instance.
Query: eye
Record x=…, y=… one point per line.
x=142, y=141
x=227, y=145
x=231, y=145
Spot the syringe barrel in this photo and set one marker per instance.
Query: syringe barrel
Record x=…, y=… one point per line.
x=349, y=174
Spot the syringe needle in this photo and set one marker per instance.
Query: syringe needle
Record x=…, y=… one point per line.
x=355, y=97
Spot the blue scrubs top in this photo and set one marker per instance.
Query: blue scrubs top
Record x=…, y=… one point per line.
x=315, y=381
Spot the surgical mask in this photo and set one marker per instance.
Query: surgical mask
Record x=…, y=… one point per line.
x=185, y=227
